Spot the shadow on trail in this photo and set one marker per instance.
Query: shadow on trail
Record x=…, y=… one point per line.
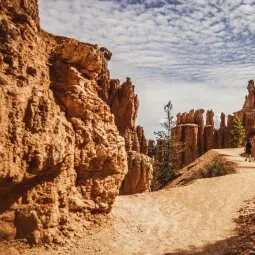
x=243, y=243
x=224, y=247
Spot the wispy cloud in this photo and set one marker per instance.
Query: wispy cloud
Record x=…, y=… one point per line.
x=196, y=53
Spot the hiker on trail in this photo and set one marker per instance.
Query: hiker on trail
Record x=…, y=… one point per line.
x=248, y=149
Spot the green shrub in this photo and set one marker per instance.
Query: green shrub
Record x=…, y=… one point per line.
x=236, y=133
x=218, y=167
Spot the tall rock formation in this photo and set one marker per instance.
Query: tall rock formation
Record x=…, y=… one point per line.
x=189, y=134
x=209, y=131
x=189, y=130
x=197, y=137
x=124, y=105
x=60, y=149
x=222, y=133
x=249, y=103
x=143, y=144
x=199, y=120
x=140, y=174
x=247, y=114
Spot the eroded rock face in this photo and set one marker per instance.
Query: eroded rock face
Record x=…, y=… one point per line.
x=250, y=98
x=94, y=132
x=199, y=120
x=188, y=135
x=60, y=150
x=184, y=118
x=209, y=118
x=190, y=116
x=223, y=133
x=222, y=120
x=209, y=131
x=208, y=137
x=195, y=135
x=124, y=105
x=143, y=146
x=139, y=175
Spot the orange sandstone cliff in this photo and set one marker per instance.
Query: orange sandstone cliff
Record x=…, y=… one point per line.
x=124, y=105
x=64, y=134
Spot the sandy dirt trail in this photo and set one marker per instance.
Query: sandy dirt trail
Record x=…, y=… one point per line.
x=185, y=218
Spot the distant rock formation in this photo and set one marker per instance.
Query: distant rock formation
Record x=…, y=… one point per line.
x=60, y=149
x=247, y=114
x=188, y=134
x=199, y=138
x=199, y=120
x=249, y=103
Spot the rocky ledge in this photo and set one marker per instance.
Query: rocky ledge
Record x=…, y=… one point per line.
x=62, y=150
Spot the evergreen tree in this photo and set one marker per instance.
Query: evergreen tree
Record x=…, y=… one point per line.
x=168, y=148
x=237, y=133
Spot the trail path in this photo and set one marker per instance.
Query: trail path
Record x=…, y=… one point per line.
x=178, y=219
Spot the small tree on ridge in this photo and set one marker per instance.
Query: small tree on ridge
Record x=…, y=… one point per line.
x=168, y=148
x=237, y=133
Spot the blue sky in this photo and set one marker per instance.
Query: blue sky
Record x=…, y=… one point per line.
x=196, y=53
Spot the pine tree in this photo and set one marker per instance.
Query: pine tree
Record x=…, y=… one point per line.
x=236, y=133
x=168, y=148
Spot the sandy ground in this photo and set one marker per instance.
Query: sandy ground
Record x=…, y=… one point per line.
x=171, y=221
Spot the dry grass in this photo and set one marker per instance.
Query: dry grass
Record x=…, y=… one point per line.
x=197, y=169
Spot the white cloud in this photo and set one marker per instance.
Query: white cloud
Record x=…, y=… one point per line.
x=196, y=53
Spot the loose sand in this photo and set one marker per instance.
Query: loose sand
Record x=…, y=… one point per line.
x=170, y=221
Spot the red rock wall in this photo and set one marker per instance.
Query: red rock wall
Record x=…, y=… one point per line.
x=124, y=105
x=143, y=145
x=60, y=149
x=208, y=137
x=190, y=139
x=199, y=120
x=139, y=176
